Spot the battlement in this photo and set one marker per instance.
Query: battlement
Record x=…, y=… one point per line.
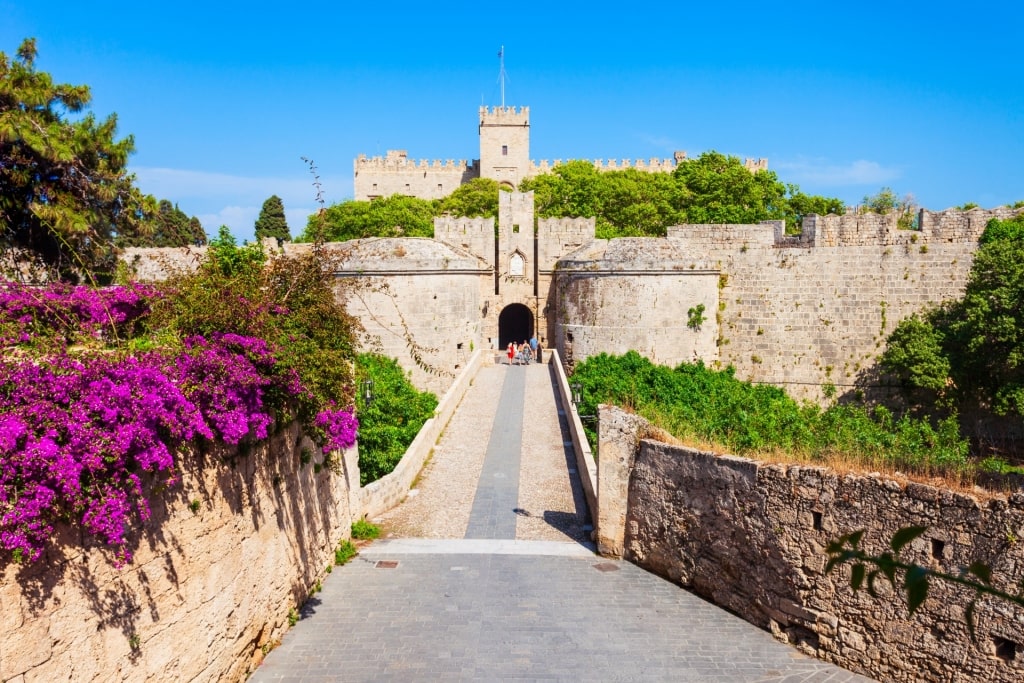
x=566, y=227
x=652, y=165
x=398, y=161
x=858, y=229
x=451, y=228
x=504, y=116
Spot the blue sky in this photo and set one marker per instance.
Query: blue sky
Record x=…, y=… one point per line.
x=224, y=99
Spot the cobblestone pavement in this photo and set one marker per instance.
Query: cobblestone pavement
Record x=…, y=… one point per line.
x=428, y=604
x=550, y=506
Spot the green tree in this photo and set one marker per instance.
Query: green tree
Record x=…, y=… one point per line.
x=477, y=198
x=394, y=216
x=271, y=222
x=977, y=341
x=168, y=227
x=65, y=191
x=720, y=189
x=626, y=202
x=801, y=205
x=915, y=356
x=886, y=201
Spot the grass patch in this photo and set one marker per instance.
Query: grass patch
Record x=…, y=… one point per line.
x=345, y=551
x=711, y=407
x=363, y=530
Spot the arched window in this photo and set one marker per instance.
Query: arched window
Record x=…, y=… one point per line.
x=517, y=265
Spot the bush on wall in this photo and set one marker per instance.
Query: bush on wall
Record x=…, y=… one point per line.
x=100, y=389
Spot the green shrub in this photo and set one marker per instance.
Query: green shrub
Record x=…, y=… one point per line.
x=694, y=402
x=365, y=531
x=392, y=420
x=345, y=551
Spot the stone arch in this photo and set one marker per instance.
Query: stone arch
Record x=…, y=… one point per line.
x=515, y=324
x=506, y=185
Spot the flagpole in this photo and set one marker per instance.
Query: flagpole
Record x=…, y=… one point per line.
x=501, y=74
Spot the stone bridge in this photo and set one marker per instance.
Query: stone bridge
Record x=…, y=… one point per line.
x=487, y=572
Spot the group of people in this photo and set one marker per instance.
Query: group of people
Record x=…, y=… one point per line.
x=525, y=353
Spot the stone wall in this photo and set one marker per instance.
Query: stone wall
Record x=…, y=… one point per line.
x=396, y=173
x=815, y=309
x=208, y=591
x=750, y=537
x=419, y=301
x=625, y=294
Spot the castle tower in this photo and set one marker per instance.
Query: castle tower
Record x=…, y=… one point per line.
x=505, y=144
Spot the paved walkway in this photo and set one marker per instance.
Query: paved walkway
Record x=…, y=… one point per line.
x=435, y=601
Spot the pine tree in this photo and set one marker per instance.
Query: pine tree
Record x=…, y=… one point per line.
x=65, y=190
x=168, y=227
x=271, y=222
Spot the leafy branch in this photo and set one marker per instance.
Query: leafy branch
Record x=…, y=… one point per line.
x=916, y=579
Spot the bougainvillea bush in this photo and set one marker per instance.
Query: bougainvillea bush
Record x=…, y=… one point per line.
x=100, y=389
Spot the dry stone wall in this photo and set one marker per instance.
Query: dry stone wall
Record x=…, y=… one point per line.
x=209, y=590
x=751, y=537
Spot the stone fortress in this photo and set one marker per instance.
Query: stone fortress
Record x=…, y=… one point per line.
x=504, y=157
x=801, y=312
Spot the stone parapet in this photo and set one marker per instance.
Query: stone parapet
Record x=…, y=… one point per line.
x=750, y=537
x=217, y=568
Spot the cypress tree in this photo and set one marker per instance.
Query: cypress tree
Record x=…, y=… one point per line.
x=271, y=222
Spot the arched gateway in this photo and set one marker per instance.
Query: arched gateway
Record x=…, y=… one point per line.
x=515, y=324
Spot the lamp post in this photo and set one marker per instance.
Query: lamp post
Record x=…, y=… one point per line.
x=576, y=390
x=577, y=393
x=367, y=392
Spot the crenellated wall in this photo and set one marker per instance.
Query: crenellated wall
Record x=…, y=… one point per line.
x=397, y=174
x=751, y=537
x=814, y=309
x=798, y=311
x=652, y=165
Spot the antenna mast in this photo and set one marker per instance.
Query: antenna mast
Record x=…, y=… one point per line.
x=502, y=75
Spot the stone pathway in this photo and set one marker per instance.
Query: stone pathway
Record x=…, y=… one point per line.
x=434, y=601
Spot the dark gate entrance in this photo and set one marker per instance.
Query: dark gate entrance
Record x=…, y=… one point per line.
x=515, y=324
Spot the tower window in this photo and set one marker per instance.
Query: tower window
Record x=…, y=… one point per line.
x=504, y=150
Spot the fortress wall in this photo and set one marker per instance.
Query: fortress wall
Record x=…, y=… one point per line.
x=557, y=237
x=209, y=591
x=617, y=311
x=475, y=235
x=394, y=174
x=751, y=536
x=800, y=318
x=153, y=264
x=869, y=229
x=713, y=237
x=439, y=312
x=652, y=165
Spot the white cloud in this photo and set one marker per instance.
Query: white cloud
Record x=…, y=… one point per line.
x=822, y=172
x=235, y=201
